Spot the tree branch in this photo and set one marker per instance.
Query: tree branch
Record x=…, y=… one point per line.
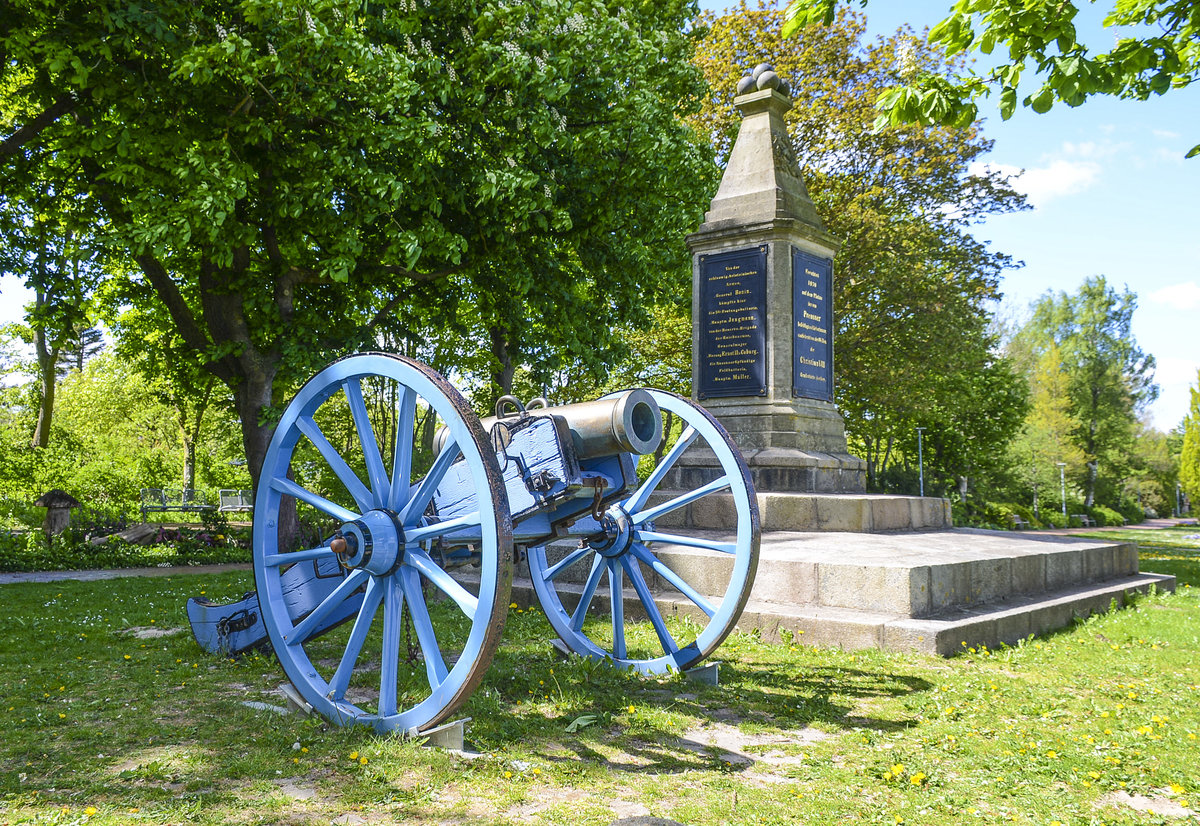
x=14, y=142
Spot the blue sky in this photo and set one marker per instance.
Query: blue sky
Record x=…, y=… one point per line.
x=1112, y=196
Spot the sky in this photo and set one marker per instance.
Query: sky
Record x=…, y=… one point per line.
x=1112, y=195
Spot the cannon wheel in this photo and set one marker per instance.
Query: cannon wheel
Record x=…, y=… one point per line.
x=567, y=603
x=359, y=674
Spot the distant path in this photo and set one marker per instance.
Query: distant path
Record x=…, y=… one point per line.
x=1149, y=524
x=92, y=576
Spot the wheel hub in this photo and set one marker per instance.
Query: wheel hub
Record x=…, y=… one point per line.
x=373, y=542
x=616, y=533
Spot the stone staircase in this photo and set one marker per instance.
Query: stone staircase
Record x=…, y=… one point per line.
x=870, y=578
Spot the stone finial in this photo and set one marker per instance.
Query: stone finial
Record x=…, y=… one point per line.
x=762, y=179
x=763, y=77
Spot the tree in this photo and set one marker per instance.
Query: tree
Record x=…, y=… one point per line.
x=1189, y=459
x=1109, y=381
x=913, y=289
x=280, y=178
x=1040, y=37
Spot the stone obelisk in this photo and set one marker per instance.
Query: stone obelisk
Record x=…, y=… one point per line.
x=762, y=309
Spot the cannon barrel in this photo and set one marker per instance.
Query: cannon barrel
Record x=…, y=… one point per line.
x=629, y=422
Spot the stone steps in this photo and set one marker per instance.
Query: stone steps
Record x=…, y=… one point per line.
x=935, y=592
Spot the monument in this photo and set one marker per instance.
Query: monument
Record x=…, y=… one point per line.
x=762, y=309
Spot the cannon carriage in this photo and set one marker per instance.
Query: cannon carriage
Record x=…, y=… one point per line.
x=393, y=619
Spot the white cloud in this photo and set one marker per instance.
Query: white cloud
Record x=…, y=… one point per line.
x=1057, y=179
x=1165, y=133
x=1185, y=296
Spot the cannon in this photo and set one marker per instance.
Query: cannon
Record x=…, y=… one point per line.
x=392, y=619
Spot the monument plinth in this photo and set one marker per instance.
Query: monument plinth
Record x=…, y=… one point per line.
x=762, y=311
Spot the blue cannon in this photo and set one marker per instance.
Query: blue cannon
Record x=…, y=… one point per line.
x=394, y=618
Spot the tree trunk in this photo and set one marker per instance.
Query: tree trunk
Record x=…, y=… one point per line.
x=1093, y=471
x=190, y=433
x=502, y=351
x=47, y=359
x=252, y=397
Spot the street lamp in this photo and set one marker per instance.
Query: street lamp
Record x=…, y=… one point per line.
x=920, y=461
x=1062, y=481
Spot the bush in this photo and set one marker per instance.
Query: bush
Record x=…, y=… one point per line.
x=1106, y=516
x=72, y=550
x=1054, y=519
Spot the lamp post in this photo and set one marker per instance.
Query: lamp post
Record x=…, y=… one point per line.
x=920, y=461
x=1062, y=481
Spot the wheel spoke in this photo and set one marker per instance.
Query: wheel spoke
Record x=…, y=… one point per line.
x=335, y=510
x=566, y=562
x=467, y=602
x=376, y=473
x=616, y=599
x=680, y=501
x=389, y=667
x=640, y=551
x=402, y=453
x=435, y=665
x=275, y=560
x=634, y=571
x=651, y=484
x=340, y=680
x=467, y=520
x=589, y=591
x=304, y=630
x=690, y=541
x=343, y=471
x=416, y=506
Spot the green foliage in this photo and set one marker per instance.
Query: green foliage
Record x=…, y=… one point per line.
x=281, y=181
x=1106, y=516
x=1189, y=460
x=913, y=289
x=1153, y=51
x=1099, y=380
x=73, y=550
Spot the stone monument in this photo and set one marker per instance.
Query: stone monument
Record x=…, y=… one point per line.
x=762, y=309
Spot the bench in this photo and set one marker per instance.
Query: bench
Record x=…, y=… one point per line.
x=235, y=500
x=1085, y=521
x=1018, y=523
x=161, y=500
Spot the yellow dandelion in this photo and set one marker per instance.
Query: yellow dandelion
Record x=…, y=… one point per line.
x=62, y=716
x=127, y=657
x=353, y=755
x=89, y=811
x=1052, y=754
x=631, y=709
x=362, y=761
x=1176, y=788
x=917, y=779
x=508, y=774
x=898, y=769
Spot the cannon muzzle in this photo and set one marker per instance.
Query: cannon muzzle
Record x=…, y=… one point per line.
x=626, y=423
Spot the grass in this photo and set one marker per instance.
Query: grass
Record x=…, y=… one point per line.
x=112, y=714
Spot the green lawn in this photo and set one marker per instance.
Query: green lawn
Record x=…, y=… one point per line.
x=112, y=714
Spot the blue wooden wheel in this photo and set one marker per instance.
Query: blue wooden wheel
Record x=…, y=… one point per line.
x=636, y=552
x=349, y=451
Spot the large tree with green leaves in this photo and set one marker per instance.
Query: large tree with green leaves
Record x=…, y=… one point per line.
x=1153, y=50
x=913, y=289
x=280, y=177
x=1189, y=460
x=1107, y=379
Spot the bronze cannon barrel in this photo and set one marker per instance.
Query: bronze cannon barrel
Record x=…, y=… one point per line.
x=629, y=422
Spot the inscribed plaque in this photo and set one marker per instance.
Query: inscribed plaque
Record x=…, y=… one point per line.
x=812, y=326
x=733, y=323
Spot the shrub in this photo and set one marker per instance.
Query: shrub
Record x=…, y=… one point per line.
x=1106, y=516
x=1054, y=519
